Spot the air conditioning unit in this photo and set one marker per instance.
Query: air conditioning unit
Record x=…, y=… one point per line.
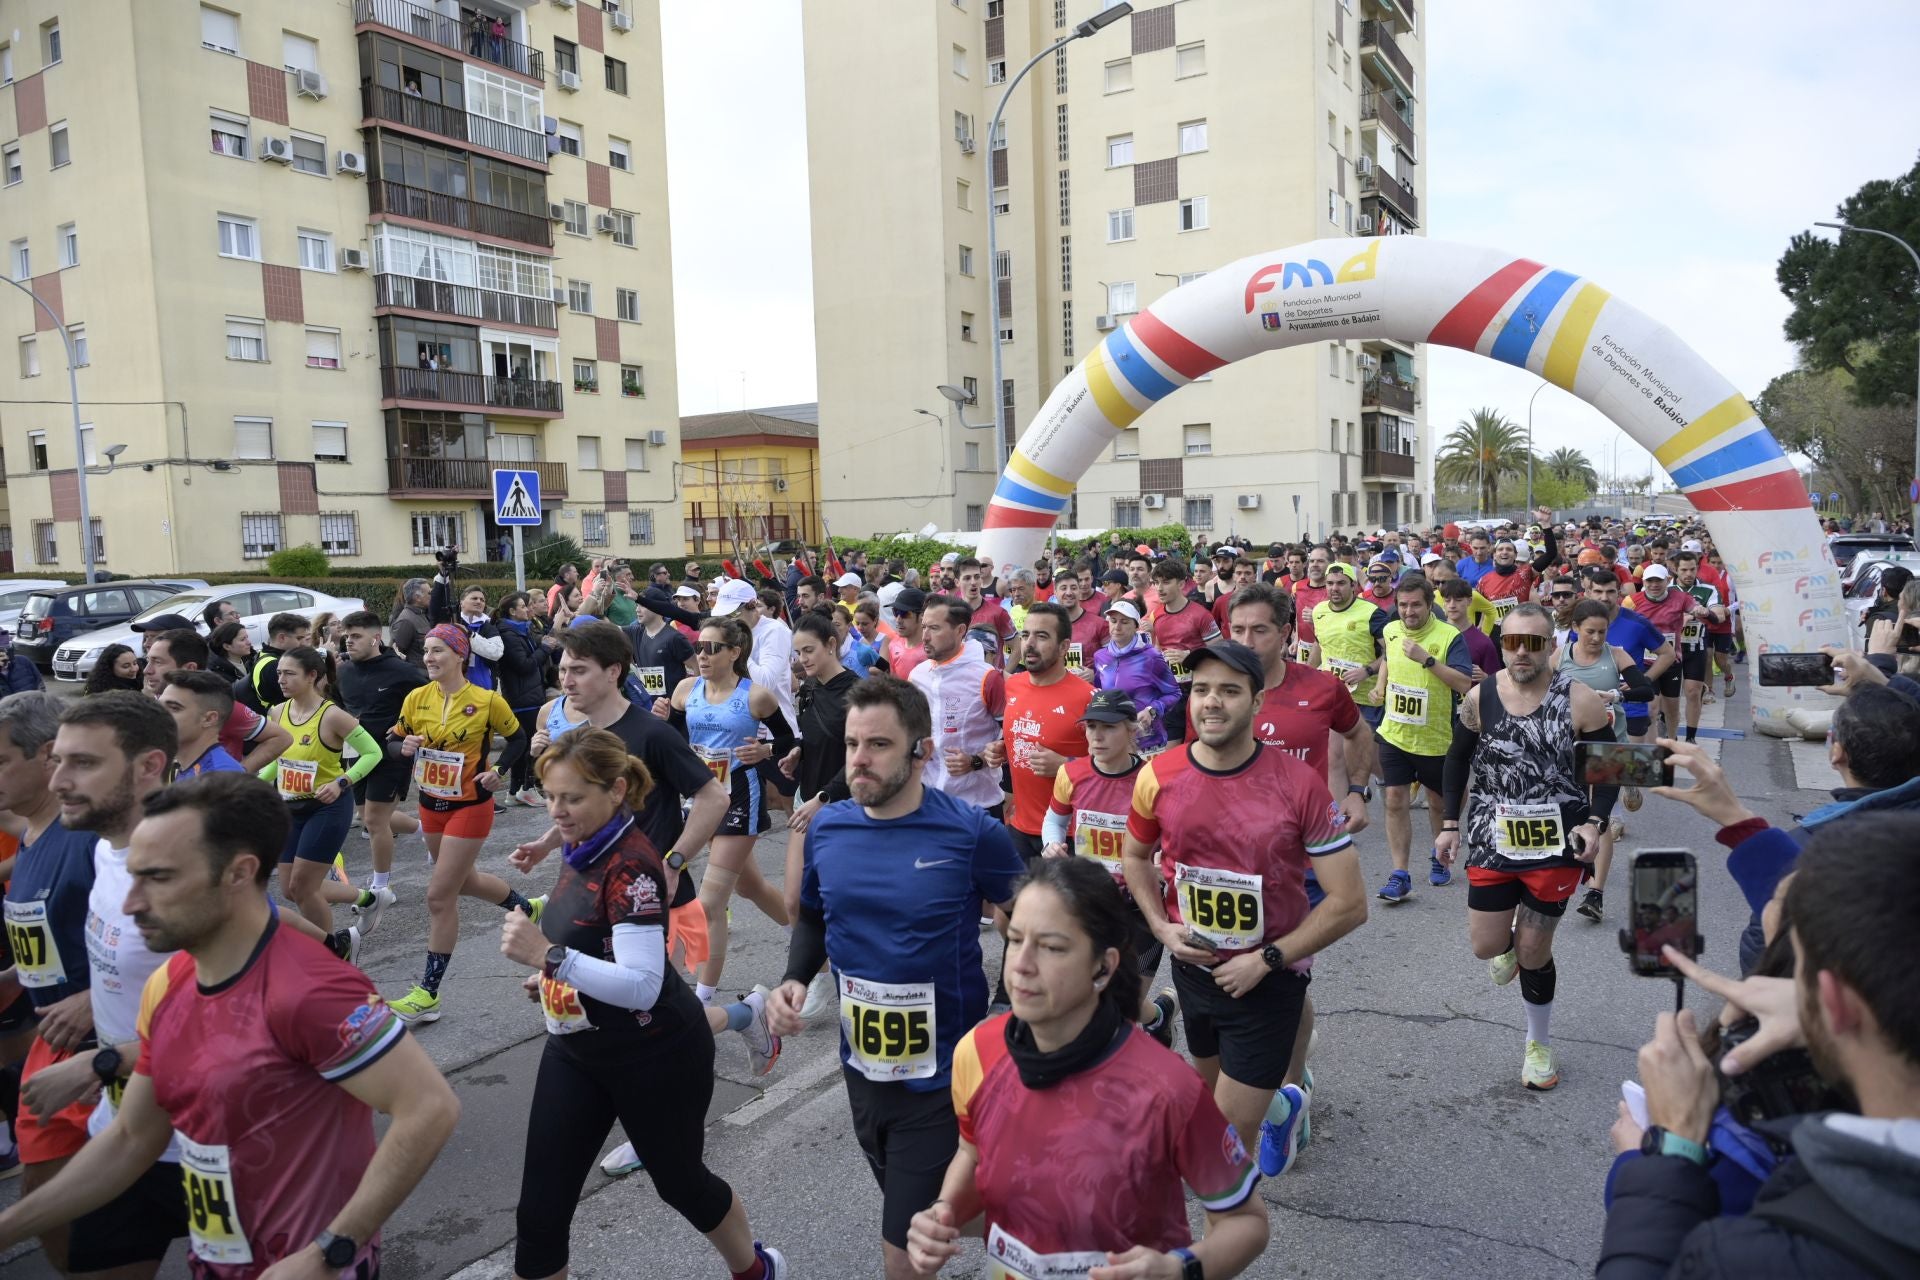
x=278, y=150
x=1369, y=361
x=605, y=224
x=1104, y=323
x=1248, y=502
x=1363, y=166
x=569, y=80
x=563, y=4
x=353, y=259
x=351, y=162
x=556, y=213
x=622, y=21
x=656, y=438
x=311, y=84
x=1364, y=224
x=966, y=146
x=1153, y=501
x=779, y=484
x=559, y=297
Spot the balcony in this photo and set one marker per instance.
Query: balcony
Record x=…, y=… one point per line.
x=463, y=300
x=450, y=33
x=1386, y=393
x=1377, y=36
x=1395, y=192
x=377, y=102
x=1394, y=113
x=514, y=396
x=1377, y=464
x=464, y=477
x=452, y=211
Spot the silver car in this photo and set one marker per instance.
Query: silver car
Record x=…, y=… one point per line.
x=256, y=603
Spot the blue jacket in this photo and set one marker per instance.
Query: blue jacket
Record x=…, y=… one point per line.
x=1143, y=672
x=20, y=676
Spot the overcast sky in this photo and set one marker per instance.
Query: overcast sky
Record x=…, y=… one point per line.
x=1668, y=151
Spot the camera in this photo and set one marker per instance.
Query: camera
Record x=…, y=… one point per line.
x=449, y=559
x=1784, y=1084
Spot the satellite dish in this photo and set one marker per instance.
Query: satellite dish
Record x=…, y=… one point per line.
x=928, y=529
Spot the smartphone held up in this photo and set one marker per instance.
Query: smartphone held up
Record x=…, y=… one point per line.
x=1622, y=764
x=1665, y=911
x=1796, y=670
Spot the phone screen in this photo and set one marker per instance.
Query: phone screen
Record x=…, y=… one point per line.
x=1796, y=669
x=1665, y=909
x=1623, y=764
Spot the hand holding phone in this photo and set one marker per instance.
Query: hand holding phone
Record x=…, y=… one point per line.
x=1796, y=670
x=1622, y=764
x=1663, y=911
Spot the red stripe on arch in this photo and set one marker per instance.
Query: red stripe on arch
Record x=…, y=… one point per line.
x=1776, y=491
x=1463, y=326
x=999, y=517
x=1182, y=355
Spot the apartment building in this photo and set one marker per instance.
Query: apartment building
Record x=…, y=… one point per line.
x=751, y=476
x=1182, y=137
x=325, y=266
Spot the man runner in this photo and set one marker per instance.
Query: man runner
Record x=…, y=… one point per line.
x=1426, y=665
x=1704, y=608
x=199, y=702
x=1666, y=611
x=374, y=684
x=1179, y=628
x=1649, y=650
x=1086, y=630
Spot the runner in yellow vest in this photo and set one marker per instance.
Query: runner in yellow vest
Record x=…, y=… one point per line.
x=1427, y=664
x=1349, y=635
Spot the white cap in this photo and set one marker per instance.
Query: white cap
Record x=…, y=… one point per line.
x=1430, y=557
x=952, y=557
x=1655, y=571
x=1124, y=607
x=733, y=593
x=849, y=580
x=684, y=590
x=1694, y=545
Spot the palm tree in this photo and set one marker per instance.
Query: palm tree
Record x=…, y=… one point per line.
x=1571, y=465
x=1479, y=450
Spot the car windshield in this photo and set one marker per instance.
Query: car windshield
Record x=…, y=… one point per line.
x=15, y=599
x=188, y=603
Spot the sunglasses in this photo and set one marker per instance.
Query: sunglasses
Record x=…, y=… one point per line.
x=1562, y=595
x=710, y=647
x=1515, y=643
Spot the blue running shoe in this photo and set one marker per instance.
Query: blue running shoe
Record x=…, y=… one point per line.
x=1437, y=872
x=1398, y=888
x=1277, y=1147
x=1306, y=1111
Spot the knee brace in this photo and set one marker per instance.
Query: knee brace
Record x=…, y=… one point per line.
x=1537, y=985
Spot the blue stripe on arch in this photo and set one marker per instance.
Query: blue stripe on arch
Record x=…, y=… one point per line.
x=1013, y=491
x=1516, y=335
x=1136, y=368
x=1748, y=451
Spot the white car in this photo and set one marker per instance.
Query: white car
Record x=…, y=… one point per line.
x=14, y=593
x=257, y=602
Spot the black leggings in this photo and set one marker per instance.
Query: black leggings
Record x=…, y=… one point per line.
x=658, y=1092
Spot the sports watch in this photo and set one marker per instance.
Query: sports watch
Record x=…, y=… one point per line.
x=106, y=1065
x=336, y=1251
x=1361, y=790
x=1663, y=1142
x=556, y=956
x=1190, y=1268
x=1273, y=956
x=1428, y=664
x=675, y=860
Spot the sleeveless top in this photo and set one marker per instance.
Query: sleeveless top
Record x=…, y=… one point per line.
x=1601, y=677
x=1523, y=779
x=1419, y=704
x=715, y=729
x=309, y=763
x=557, y=723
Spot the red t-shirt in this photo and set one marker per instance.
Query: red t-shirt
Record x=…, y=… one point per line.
x=242, y=724
x=1505, y=590
x=1666, y=616
x=1041, y=716
x=1305, y=597
x=989, y=614
x=1096, y=806
x=1187, y=627
x=1089, y=631
x=1297, y=714
x=1087, y=1166
x=271, y=1146
x=1719, y=582
x=902, y=657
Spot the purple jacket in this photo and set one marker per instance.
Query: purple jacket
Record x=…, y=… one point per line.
x=1142, y=671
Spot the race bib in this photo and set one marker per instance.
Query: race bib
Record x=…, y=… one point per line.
x=654, y=681
x=1099, y=836
x=1407, y=704
x=719, y=762
x=213, y=1212
x=888, y=1028
x=1691, y=633
x=1668, y=636
x=1008, y=1259
x=36, y=956
x=297, y=779
x=1224, y=907
x=561, y=1005
x=1504, y=606
x=1076, y=656
x=437, y=773
x=1525, y=832
x=1305, y=653
x=1343, y=667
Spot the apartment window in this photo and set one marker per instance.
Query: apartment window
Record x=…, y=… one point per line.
x=239, y=237
x=996, y=70
x=1127, y=443
x=633, y=382
x=966, y=260
x=46, y=549
x=1333, y=206
x=576, y=222
x=30, y=357
x=626, y=304
x=622, y=227
x=1003, y=264
x=566, y=56
x=309, y=153
x=1333, y=360
x=1346, y=69
x=1122, y=298
x=1006, y=333
x=966, y=326
x=960, y=62
x=77, y=334
x=229, y=134
x=1193, y=213
x=616, y=78
x=996, y=8
x=1193, y=137
x=323, y=348
x=1066, y=197
x=620, y=154
x=580, y=296
x=316, y=250
x=1197, y=437
x=329, y=442
x=1119, y=77
x=1349, y=216
x=586, y=377
x=1349, y=366
x=340, y=533
x=640, y=528
x=1126, y=513
x=1002, y=202
x=972, y=454
x=1190, y=60
x=1198, y=513
x=593, y=528
x=1119, y=150
x=962, y=193
x=1060, y=129
x=1119, y=225
x=253, y=438
x=14, y=170
x=433, y=530
x=1066, y=329
x=37, y=451
x=219, y=30
x=59, y=148
x=1188, y=277
x=50, y=42
x=571, y=139
x=1066, y=264
x=259, y=535
x=298, y=53
x=962, y=126
x=246, y=339
x=1333, y=53
x=22, y=259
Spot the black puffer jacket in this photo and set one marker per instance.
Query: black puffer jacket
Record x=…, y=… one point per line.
x=520, y=674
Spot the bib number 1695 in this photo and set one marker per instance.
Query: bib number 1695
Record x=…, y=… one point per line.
x=890, y=1034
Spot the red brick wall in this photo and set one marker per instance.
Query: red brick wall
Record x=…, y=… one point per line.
x=599, y=185
x=47, y=289
x=30, y=103
x=267, y=92
x=298, y=496
x=606, y=339
x=281, y=286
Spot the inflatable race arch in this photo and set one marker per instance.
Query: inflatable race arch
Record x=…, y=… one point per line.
x=1563, y=327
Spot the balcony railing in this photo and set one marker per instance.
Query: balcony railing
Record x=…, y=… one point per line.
x=451, y=33
x=452, y=211
x=463, y=300
x=1394, y=114
x=378, y=102
x=465, y=477
x=1385, y=393
x=1378, y=462
x=1377, y=34
x=522, y=395
x=1395, y=192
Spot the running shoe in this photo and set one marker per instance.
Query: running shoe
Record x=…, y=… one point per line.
x=348, y=940
x=819, y=995
x=10, y=1165
x=1592, y=906
x=1306, y=1108
x=418, y=1005
x=1165, y=1000
x=1419, y=798
x=372, y=903
x=1398, y=888
x=1437, y=872
x=776, y=1261
x=1631, y=799
x=1503, y=967
x=1539, y=1073
x=763, y=1047
x=535, y=906
x=621, y=1161
x=1729, y=689
x=1277, y=1147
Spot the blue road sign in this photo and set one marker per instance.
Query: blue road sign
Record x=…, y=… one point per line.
x=516, y=498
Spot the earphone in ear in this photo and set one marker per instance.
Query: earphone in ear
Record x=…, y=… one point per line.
x=913, y=752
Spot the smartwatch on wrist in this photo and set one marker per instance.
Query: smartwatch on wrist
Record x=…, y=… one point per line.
x=1357, y=789
x=1428, y=664
x=1663, y=1142
x=675, y=860
x=556, y=956
x=1273, y=956
x=336, y=1251
x=106, y=1065
x=976, y=762
x=1190, y=1268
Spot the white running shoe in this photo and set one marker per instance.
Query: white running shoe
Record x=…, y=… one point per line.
x=621, y=1161
x=763, y=1047
x=820, y=993
x=369, y=915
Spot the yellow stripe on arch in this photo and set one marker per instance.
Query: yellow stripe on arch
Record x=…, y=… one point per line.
x=1030, y=472
x=1118, y=409
x=1570, y=343
x=1717, y=421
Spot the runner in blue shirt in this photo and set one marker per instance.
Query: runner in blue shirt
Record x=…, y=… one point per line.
x=893, y=882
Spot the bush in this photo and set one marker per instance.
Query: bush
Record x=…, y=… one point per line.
x=303, y=561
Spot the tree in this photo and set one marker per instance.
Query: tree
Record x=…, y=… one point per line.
x=1570, y=465
x=1854, y=302
x=1479, y=450
x=1866, y=450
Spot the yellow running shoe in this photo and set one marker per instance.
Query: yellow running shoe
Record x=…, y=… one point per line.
x=1538, y=1072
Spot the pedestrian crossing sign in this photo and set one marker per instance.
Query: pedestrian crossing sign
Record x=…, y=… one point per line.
x=516, y=498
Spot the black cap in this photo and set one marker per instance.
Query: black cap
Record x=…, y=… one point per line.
x=165, y=622
x=1115, y=575
x=909, y=600
x=1237, y=656
x=1111, y=706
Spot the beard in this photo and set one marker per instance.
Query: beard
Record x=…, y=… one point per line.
x=873, y=792
x=108, y=812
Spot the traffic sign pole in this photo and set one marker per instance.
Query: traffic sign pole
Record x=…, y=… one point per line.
x=519, y=561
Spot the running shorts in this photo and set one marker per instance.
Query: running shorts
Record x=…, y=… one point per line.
x=469, y=821
x=387, y=783
x=65, y=1131
x=1545, y=889
x=1693, y=664
x=746, y=807
x=1402, y=768
x=135, y=1226
x=909, y=1139
x=1253, y=1035
x=1668, y=684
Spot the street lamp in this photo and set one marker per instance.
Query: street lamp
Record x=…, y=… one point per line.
x=1913, y=494
x=1103, y=18
x=1530, y=399
x=79, y=442
x=961, y=400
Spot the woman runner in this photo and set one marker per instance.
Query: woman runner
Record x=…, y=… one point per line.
x=817, y=763
x=1604, y=668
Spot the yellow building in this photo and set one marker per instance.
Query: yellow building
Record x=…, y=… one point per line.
x=1176, y=140
x=328, y=264
x=751, y=477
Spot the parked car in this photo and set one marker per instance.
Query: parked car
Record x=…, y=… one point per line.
x=1847, y=547
x=13, y=597
x=256, y=602
x=1860, y=585
x=54, y=615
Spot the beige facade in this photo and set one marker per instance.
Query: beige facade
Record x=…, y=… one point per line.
x=323, y=257
x=1176, y=140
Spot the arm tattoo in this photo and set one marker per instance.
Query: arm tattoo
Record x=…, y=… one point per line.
x=1470, y=711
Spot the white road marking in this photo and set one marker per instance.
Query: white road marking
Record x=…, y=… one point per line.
x=790, y=1087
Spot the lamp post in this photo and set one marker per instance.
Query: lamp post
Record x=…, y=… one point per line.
x=1080, y=31
x=1914, y=479
x=79, y=442
x=1530, y=399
